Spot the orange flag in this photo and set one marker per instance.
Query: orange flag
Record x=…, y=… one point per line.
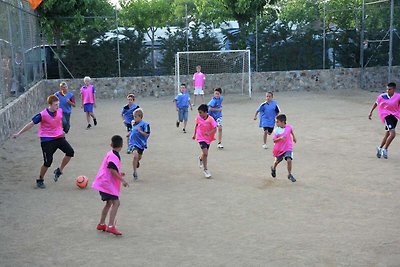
x=34, y=3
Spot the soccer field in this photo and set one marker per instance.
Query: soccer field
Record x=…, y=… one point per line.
x=342, y=211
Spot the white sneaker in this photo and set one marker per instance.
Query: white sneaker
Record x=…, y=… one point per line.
x=207, y=174
x=384, y=153
x=220, y=145
x=264, y=146
x=200, y=162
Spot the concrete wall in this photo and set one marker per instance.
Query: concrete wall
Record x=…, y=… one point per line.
x=19, y=112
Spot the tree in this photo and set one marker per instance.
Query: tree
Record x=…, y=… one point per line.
x=61, y=19
x=147, y=16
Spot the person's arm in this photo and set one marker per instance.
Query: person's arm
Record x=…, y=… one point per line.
x=26, y=128
x=293, y=136
x=94, y=97
x=255, y=115
x=147, y=133
x=211, y=132
x=119, y=177
x=372, y=109
x=194, y=133
x=71, y=101
x=81, y=99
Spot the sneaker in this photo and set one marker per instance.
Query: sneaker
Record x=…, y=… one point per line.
x=291, y=178
x=40, y=184
x=57, y=173
x=177, y=124
x=378, y=152
x=273, y=172
x=101, y=227
x=113, y=230
x=94, y=122
x=135, y=176
x=207, y=174
x=264, y=146
x=89, y=126
x=184, y=131
x=200, y=162
x=384, y=153
x=220, y=145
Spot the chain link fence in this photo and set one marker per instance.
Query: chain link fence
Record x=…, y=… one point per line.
x=20, y=52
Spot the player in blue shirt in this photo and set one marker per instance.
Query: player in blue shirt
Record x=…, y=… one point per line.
x=127, y=114
x=139, y=134
x=268, y=111
x=182, y=103
x=67, y=101
x=215, y=111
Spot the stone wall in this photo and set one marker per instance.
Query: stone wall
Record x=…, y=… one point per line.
x=18, y=112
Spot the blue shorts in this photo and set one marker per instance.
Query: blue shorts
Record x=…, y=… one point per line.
x=183, y=114
x=88, y=107
x=287, y=155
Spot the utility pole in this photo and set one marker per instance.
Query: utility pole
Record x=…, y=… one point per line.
x=391, y=41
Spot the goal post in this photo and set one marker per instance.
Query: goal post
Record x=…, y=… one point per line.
x=228, y=69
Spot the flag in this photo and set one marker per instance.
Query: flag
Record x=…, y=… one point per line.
x=34, y=3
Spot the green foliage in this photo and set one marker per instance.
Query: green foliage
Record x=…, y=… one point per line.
x=201, y=39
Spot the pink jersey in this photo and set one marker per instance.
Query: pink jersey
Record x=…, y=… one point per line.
x=204, y=126
x=283, y=145
x=388, y=105
x=105, y=181
x=51, y=126
x=87, y=94
x=198, y=79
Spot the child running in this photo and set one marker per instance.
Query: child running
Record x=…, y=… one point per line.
x=88, y=96
x=52, y=137
x=139, y=134
x=268, y=111
x=182, y=102
x=127, y=115
x=204, y=134
x=283, y=145
x=389, y=112
x=215, y=110
x=108, y=183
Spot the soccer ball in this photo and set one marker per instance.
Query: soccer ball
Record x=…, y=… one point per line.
x=82, y=181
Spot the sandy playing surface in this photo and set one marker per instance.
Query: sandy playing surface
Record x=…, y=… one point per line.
x=344, y=209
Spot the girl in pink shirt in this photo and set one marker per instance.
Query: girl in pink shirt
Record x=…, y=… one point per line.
x=108, y=183
x=283, y=145
x=204, y=134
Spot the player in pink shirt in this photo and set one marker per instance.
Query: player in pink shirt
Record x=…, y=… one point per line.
x=52, y=138
x=198, y=84
x=88, y=95
x=108, y=183
x=389, y=112
x=204, y=134
x=283, y=145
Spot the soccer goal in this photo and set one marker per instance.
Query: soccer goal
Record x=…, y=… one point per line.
x=228, y=69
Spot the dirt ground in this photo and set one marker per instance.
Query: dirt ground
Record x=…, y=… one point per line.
x=344, y=209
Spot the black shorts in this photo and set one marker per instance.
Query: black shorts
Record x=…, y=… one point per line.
x=390, y=122
x=106, y=196
x=204, y=145
x=269, y=129
x=50, y=147
x=139, y=151
x=128, y=126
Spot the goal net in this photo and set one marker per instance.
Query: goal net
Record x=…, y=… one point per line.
x=229, y=69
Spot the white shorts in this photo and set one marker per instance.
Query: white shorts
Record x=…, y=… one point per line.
x=198, y=91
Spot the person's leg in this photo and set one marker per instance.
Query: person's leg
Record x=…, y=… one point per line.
x=48, y=150
x=88, y=117
x=391, y=134
x=113, y=212
x=289, y=165
x=265, y=137
x=65, y=147
x=135, y=161
x=385, y=137
x=204, y=157
x=194, y=100
x=219, y=134
x=104, y=212
x=43, y=170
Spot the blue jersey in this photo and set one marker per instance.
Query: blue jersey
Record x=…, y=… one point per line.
x=64, y=105
x=127, y=112
x=136, y=138
x=182, y=100
x=215, y=103
x=268, y=112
